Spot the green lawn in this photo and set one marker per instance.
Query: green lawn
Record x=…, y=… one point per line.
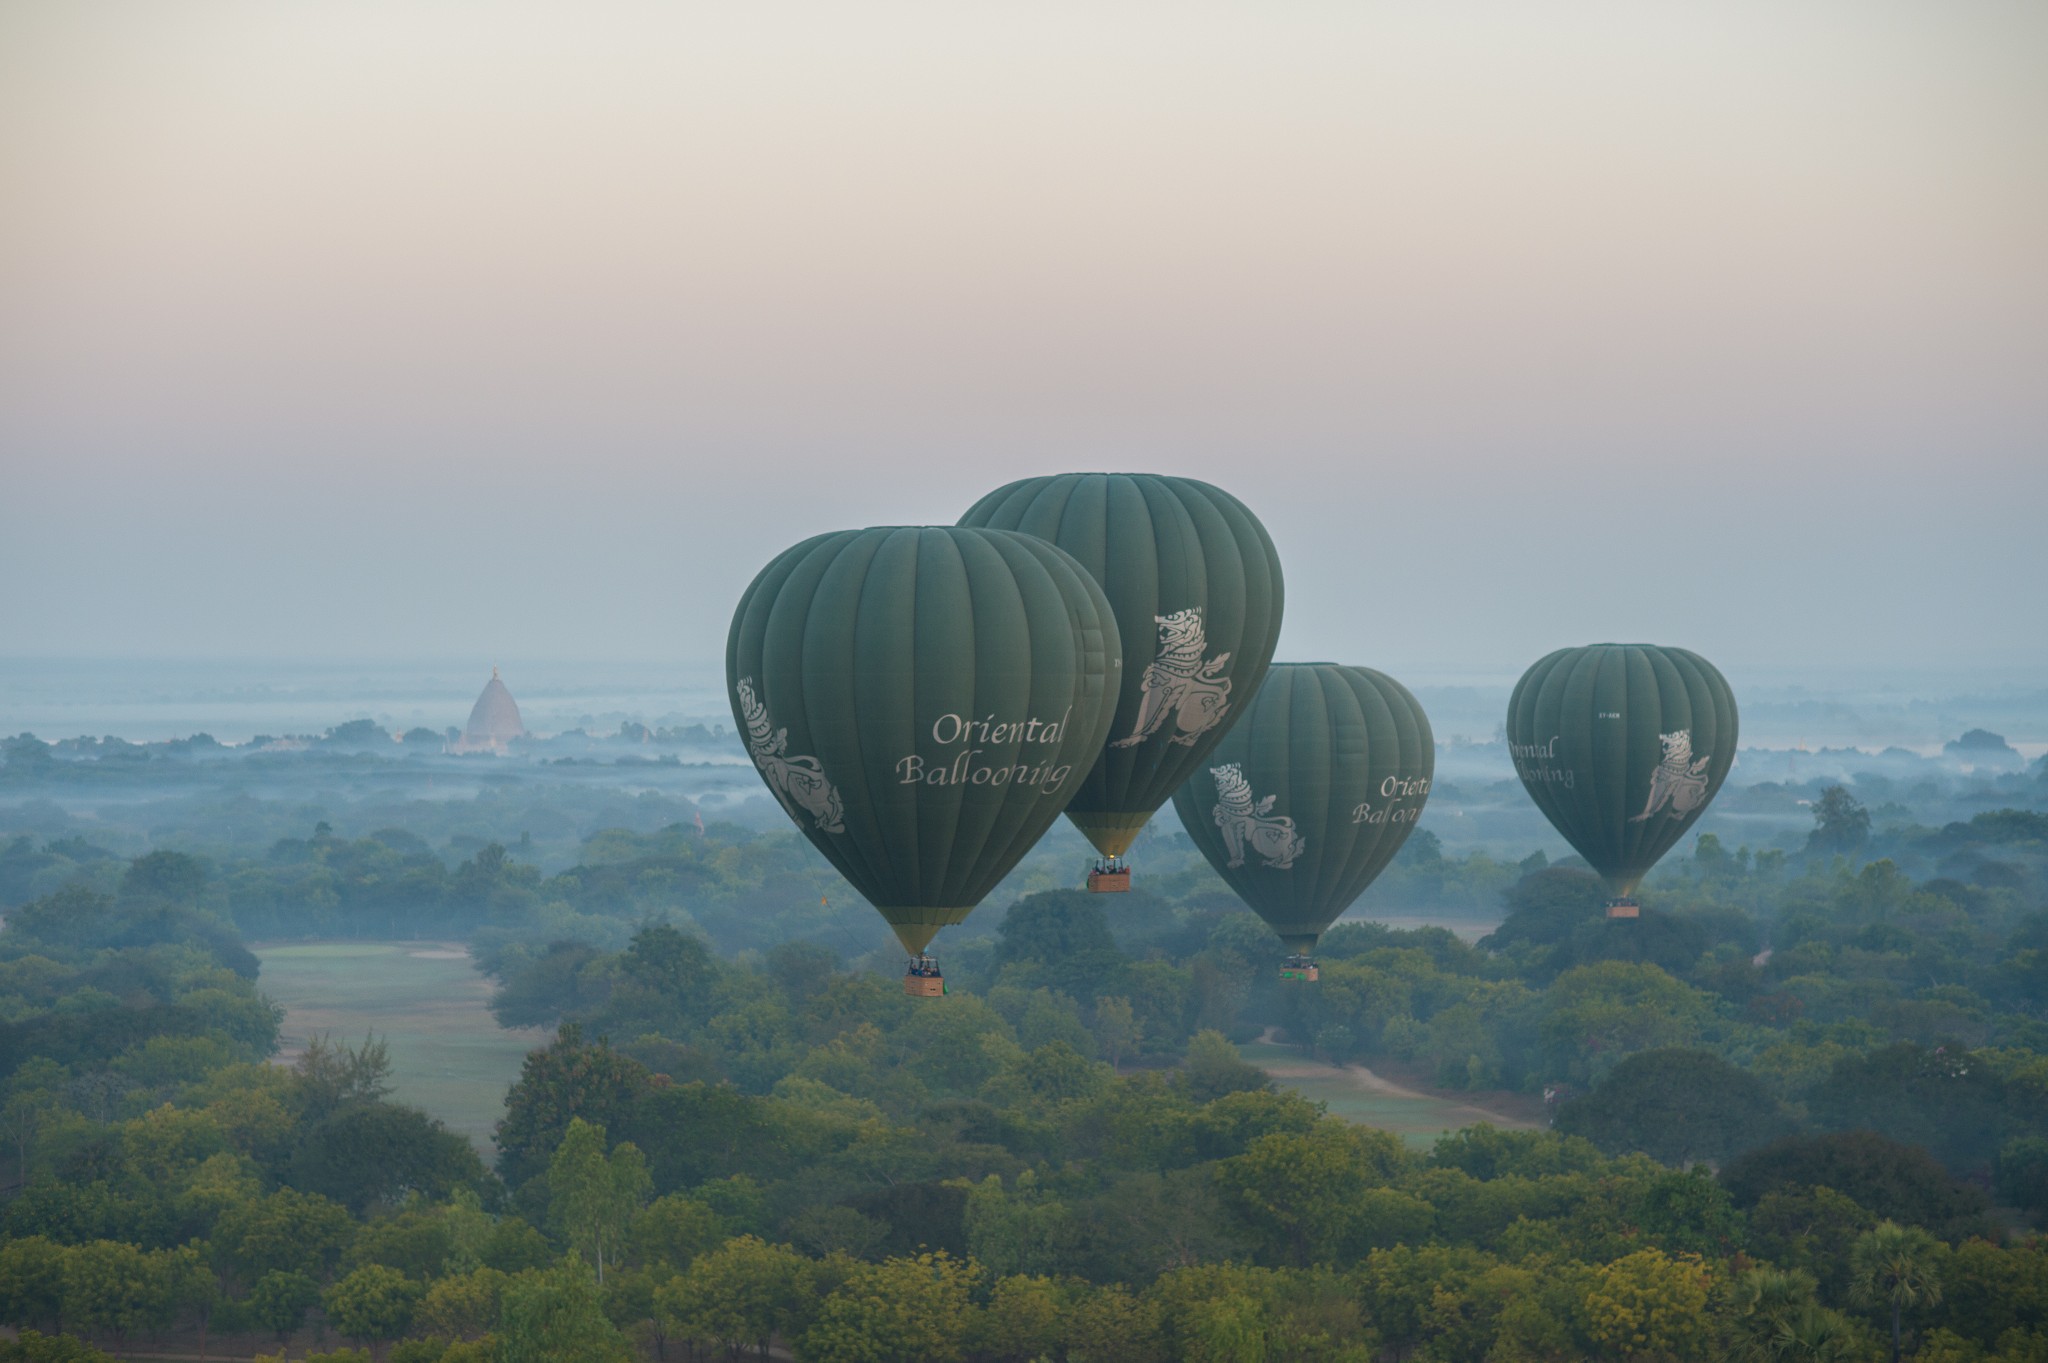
x=1417, y=1118
x=448, y=1056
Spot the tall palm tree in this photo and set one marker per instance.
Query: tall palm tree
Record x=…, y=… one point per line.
x=1765, y=1302
x=1893, y=1265
x=1815, y=1334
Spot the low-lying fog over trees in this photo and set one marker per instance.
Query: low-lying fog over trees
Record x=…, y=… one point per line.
x=1799, y=1103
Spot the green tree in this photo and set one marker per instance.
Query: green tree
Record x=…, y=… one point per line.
x=370, y=1154
x=280, y=1300
x=1109, y=1325
x=417, y=1241
x=334, y=1074
x=1231, y=1123
x=674, y=1230
x=165, y=875
x=373, y=1303
x=565, y=1080
x=119, y=1287
x=33, y=1347
x=591, y=1196
x=556, y=1315
x=1214, y=1068
x=1226, y=1327
x=839, y=1229
x=2023, y=1175
x=32, y=1281
x=568, y=978
x=672, y=966
x=1650, y=1305
x=906, y=1310
x=22, y=1118
x=513, y=1246
x=1021, y=1229
x=743, y=1293
x=1306, y=1197
x=288, y=1230
x=1021, y=1321
x=1544, y=909
x=1762, y=1304
x=1057, y=928
x=1893, y=1267
x=1809, y=1229
x=1840, y=823
x=1949, y=1102
x=1817, y=1335
x=1900, y=1182
x=1685, y=1209
x=1222, y=1313
x=1594, y=1016
x=462, y=1305
x=950, y=1039
x=1117, y=1028
x=1676, y=1106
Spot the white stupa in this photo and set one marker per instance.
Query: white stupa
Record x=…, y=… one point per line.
x=493, y=721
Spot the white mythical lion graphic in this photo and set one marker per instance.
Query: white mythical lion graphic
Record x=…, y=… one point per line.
x=1679, y=781
x=1272, y=836
x=799, y=782
x=1180, y=684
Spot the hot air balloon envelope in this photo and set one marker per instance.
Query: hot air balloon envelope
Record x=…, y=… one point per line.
x=923, y=701
x=1195, y=585
x=1622, y=746
x=1308, y=798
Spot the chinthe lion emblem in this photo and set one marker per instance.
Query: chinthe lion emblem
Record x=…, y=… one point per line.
x=1248, y=824
x=1179, y=683
x=798, y=782
x=1680, y=780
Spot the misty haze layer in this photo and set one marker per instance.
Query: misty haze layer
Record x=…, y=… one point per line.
x=436, y=330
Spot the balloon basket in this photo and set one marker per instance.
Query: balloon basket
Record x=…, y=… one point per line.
x=1111, y=876
x=1299, y=968
x=1624, y=908
x=923, y=980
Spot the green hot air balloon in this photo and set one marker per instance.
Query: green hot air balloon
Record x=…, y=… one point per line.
x=1621, y=747
x=1195, y=584
x=923, y=701
x=1310, y=795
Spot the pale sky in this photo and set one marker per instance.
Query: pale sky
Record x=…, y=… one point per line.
x=433, y=329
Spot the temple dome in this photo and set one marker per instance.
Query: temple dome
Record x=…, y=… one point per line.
x=495, y=716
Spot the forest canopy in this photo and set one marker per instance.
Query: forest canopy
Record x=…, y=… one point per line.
x=1797, y=1077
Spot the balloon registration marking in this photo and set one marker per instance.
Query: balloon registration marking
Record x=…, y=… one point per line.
x=1244, y=822
x=1180, y=683
x=1679, y=781
x=798, y=782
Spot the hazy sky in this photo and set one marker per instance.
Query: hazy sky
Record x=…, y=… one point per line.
x=397, y=329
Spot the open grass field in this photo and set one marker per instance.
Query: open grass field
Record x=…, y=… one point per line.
x=449, y=1057
x=1356, y=1094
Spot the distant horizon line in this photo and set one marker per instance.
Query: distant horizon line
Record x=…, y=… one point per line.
x=715, y=663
